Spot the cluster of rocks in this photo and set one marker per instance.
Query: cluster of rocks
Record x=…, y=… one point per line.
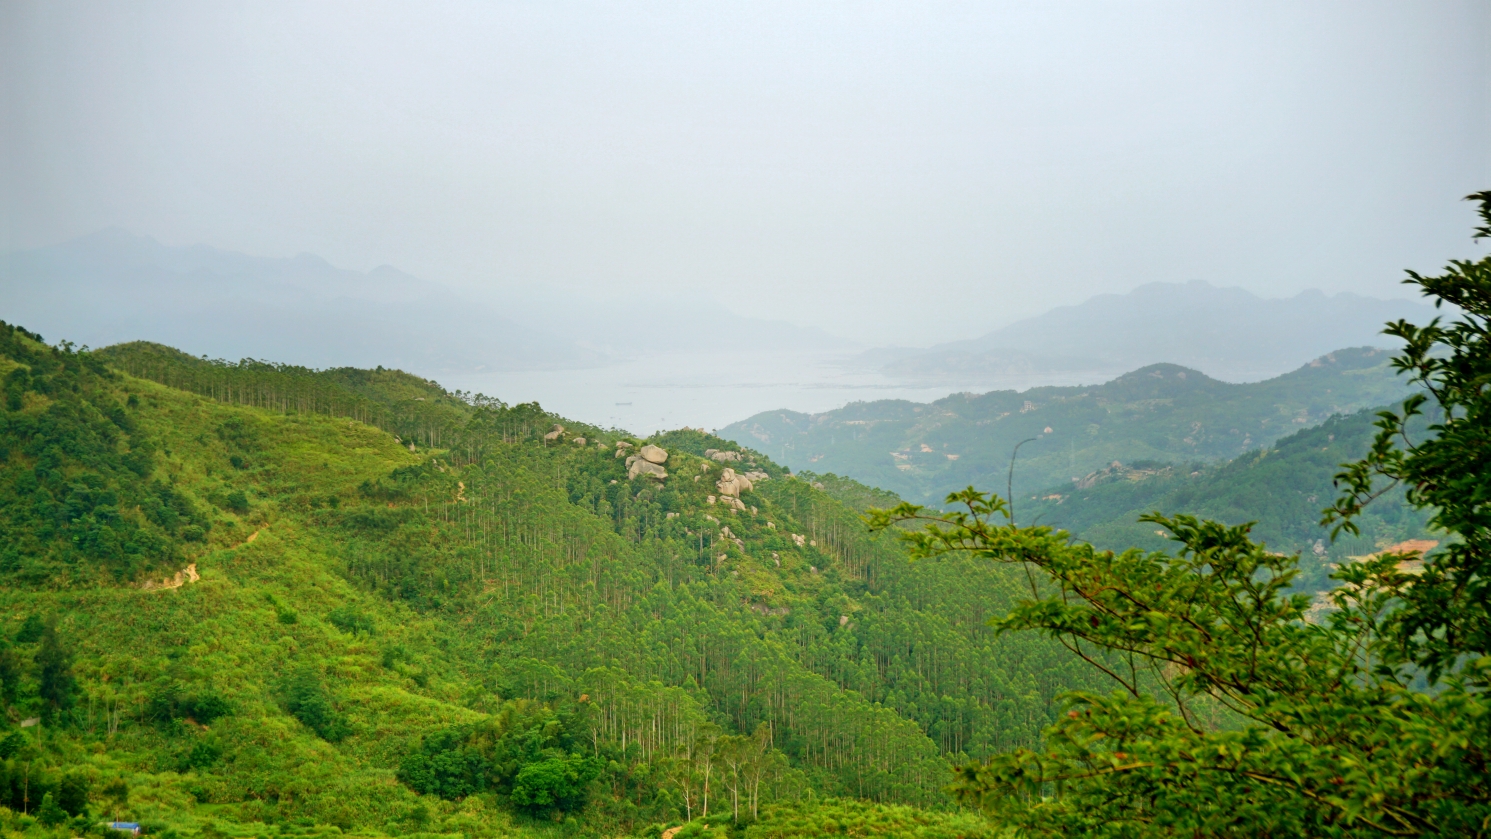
x=731, y=537
x=730, y=485
x=722, y=457
x=647, y=461
x=733, y=484
x=556, y=435
x=728, y=501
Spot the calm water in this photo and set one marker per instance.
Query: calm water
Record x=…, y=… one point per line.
x=711, y=390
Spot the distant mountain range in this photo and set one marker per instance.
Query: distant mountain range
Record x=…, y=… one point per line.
x=1162, y=412
x=1282, y=487
x=113, y=286
x=1227, y=333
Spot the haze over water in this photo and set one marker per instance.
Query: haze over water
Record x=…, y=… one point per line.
x=711, y=390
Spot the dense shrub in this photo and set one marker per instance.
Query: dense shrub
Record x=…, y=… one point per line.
x=306, y=698
x=555, y=782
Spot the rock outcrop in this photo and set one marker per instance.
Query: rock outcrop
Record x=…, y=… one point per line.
x=731, y=537
x=636, y=466
x=721, y=457
x=647, y=461
x=733, y=484
x=554, y=434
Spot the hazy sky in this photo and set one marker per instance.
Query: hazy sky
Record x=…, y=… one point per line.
x=893, y=172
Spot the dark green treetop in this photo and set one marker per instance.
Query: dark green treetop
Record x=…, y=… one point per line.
x=1242, y=711
x=1445, y=618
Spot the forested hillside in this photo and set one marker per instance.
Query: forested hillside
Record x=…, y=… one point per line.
x=1361, y=711
x=1283, y=487
x=252, y=599
x=1161, y=413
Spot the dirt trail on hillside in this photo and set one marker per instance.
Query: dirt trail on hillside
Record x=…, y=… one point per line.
x=178, y=580
x=188, y=574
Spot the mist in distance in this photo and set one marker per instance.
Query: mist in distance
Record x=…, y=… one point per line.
x=722, y=197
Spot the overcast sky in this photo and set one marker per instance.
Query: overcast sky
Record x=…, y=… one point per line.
x=898, y=173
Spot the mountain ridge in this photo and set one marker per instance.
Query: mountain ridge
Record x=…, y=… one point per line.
x=1163, y=411
x=113, y=286
x=1229, y=333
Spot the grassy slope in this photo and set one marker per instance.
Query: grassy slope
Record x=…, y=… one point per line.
x=444, y=648
x=226, y=631
x=1162, y=412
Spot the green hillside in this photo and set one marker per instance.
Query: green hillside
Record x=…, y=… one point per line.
x=1283, y=487
x=1162, y=412
x=259, y=600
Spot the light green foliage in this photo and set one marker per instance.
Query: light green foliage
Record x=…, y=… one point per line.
x=558, y=782
x=1319, y=736
x=851, y=493
x=1236, y=712
x=809, y=819
x=527, y=750
x=858, y=818
x=345, y=633
x=1446, y=618
x=1162, y=413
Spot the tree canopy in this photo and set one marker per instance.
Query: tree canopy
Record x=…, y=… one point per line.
x=1237, y=711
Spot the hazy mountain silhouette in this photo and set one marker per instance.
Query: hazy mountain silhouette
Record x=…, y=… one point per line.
x=113, y=286
x=1228, y=333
